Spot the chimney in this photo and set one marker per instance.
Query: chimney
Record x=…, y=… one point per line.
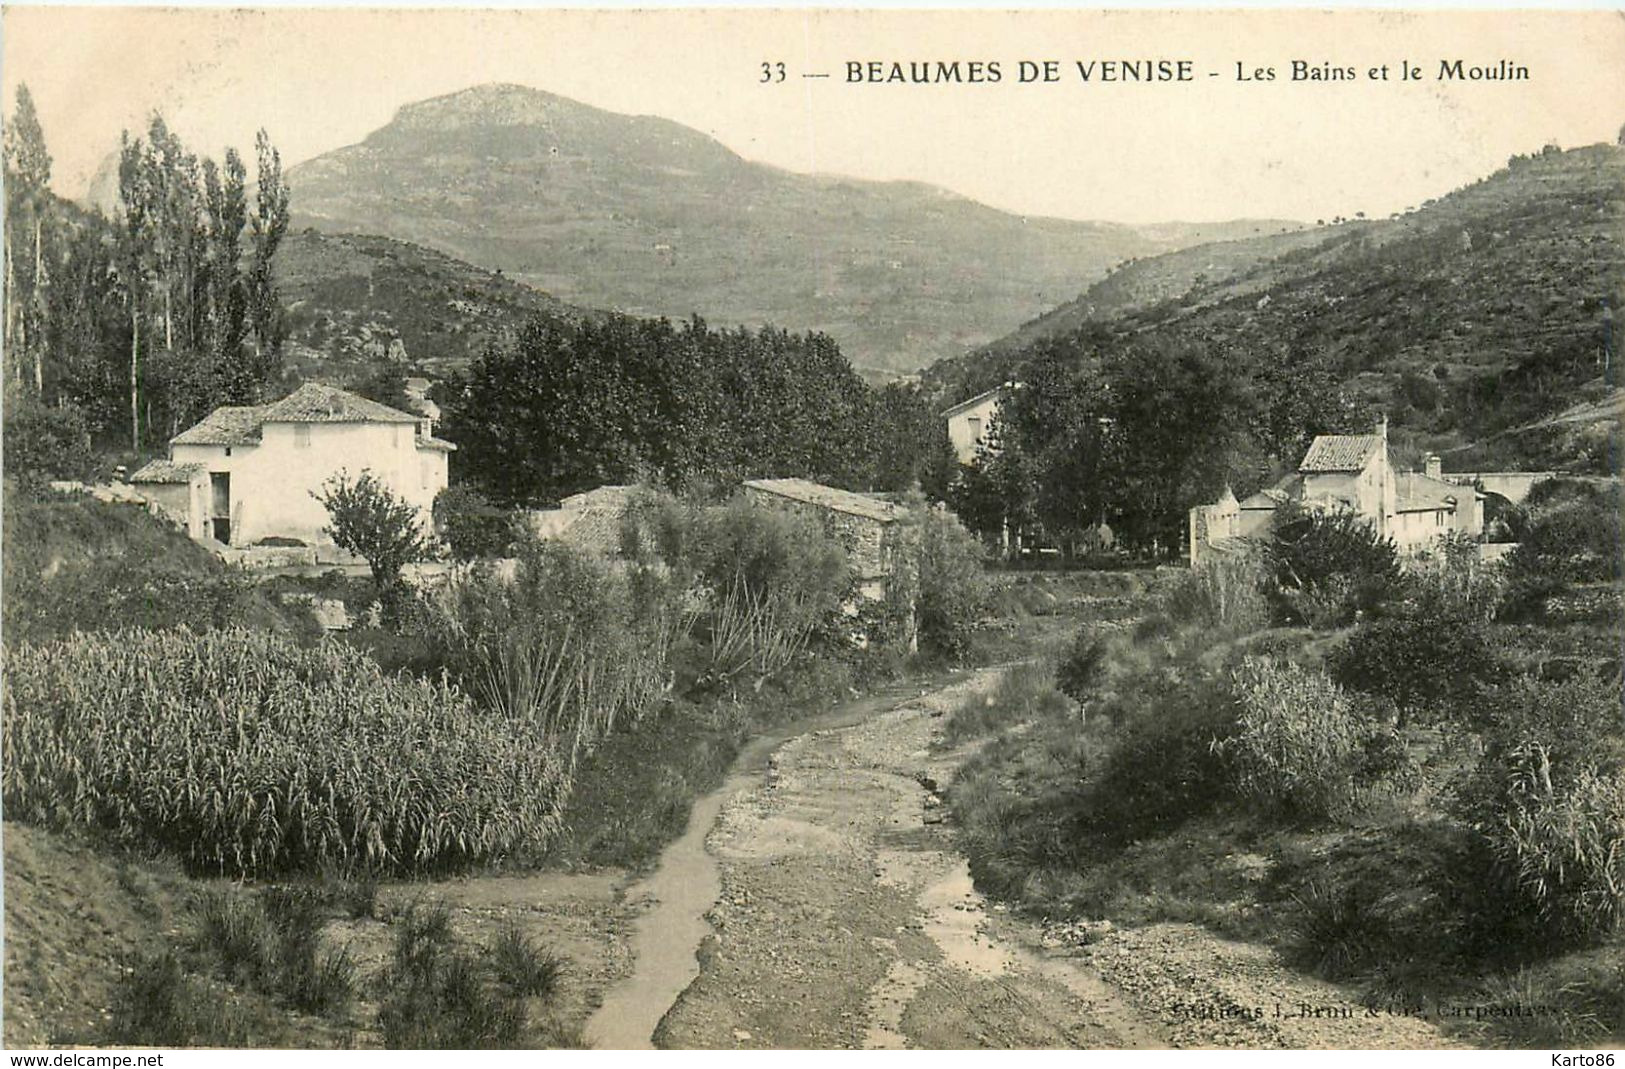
x=1435, y=467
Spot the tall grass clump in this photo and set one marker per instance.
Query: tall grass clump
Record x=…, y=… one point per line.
x=246, y=754
x=1547, y=801
x=564, y=649
x=1300, y=741
x=768, y=587
x=438, y=994
x=1224, y=594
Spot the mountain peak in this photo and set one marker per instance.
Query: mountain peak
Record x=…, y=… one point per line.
x=492, y=104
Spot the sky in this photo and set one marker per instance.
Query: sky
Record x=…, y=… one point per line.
x=1215, y=147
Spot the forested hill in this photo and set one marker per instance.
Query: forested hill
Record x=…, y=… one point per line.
x=645, y=216
x=357, y=298
x=1480, y=312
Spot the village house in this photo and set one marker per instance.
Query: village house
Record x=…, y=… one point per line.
x=1353, y=473
x=247, y=473
x=969, y=420
x=866, y=526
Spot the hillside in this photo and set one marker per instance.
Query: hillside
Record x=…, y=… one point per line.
x=1143, y=283
x=1481, y=312
x=649, y=217
x=351, y=298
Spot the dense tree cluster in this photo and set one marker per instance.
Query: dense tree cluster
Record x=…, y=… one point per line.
x=567, y=406
x=135, y=326
x=1133, y=432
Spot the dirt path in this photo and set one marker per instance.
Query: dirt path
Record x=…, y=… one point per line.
x=846, y=919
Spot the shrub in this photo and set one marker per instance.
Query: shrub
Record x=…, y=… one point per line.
x=103, y=595
x=157, y=1004
x=769, y=583
x=1571, y=534
x=367, y=519
x=524, y=968
x=1328, y=566
x=953, y=590
x=1162, y=765
x=245, y=753
x=46, y=442
x=1082, y=665
x=1298, y=742
x=1547, y=800
x=236, y=932
x=1423, y=663
x=471, y=527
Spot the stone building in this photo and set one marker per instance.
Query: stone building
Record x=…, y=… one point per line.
x=866, y=526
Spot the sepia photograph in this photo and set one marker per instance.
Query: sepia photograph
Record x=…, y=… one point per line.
x=811, y=529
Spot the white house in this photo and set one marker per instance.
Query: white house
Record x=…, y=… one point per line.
x=969, y=419
x=247, y=473
x=1353, y=473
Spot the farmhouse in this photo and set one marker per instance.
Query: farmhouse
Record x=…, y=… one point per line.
x=1353, y=473
x=866, y=526
x=247, y=473
x=968, y=421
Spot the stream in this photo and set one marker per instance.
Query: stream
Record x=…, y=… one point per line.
x=687, y=882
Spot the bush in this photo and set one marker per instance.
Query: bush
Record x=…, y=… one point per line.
x=1298, y=743
x=157, y=1004
x=522, y=967
x=245, y=753
x=1431, y=663
x=1547, y=800
x=953, y=590
x=367, y=519
x=439, y=995
x=1329, y=566
x=1083, y=664
x=1571, y=534
x=151, y=595
x=45, y=442
x=770, y=584
x=473, y=528
x=1162, y=764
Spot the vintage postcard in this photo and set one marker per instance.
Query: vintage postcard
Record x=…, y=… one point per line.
x=813, y=529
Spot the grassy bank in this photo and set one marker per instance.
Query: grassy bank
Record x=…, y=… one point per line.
x=1356, y=796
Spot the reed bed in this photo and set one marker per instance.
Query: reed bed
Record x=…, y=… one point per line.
x=246, y=754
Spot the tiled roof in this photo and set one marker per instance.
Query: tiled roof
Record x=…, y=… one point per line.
x=167, y=471
x=310, y=403
x=1415, y=492
x=828, y=497
x=1340, y=452
x=611, y=495
x=972, y=402
x=429, y=441
x=227, y=425
x=315, y=403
